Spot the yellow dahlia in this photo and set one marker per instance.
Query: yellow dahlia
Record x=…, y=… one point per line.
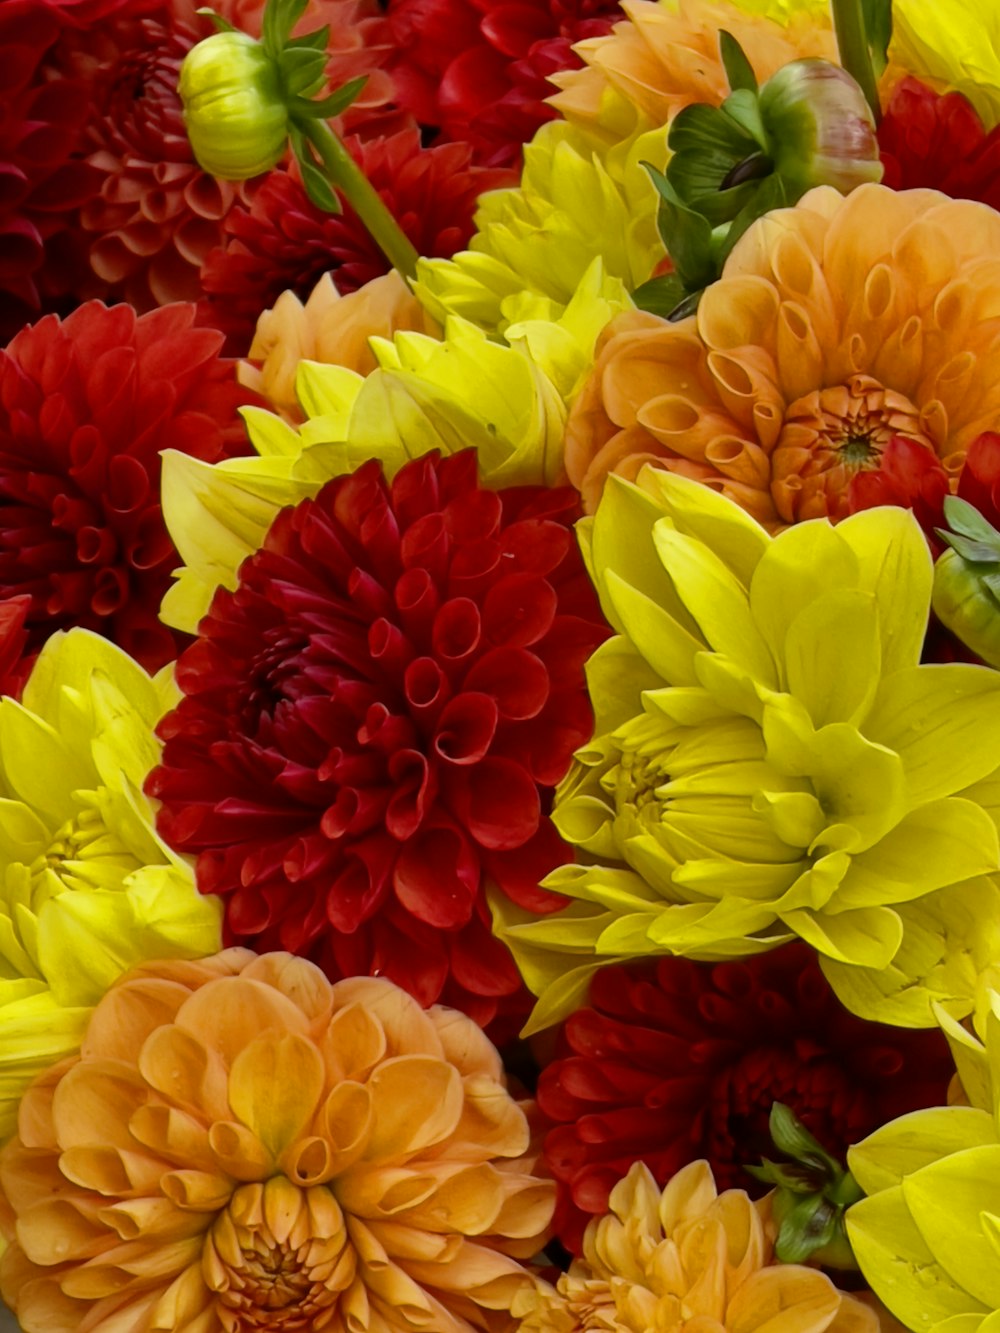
x=769, y=758
x=242, y=1145
x=688, y=1259
x=329, y=328
x=87, y=888
x=835, y=325
x=665, y=56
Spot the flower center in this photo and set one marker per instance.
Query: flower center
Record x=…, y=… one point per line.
x=831, y=434
x=83, y=854
x=277, y=1257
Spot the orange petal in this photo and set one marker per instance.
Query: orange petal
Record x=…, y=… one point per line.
x=274, y=1087
x=416, y=1102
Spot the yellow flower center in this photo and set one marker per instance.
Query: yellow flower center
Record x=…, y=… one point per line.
x=274, y=1259
x=83, y=854
x=829, y=435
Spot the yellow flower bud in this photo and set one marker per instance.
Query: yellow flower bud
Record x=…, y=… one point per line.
x=234, y=112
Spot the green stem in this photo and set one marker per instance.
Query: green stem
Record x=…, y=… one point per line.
x=347, y=177
x=855, y=56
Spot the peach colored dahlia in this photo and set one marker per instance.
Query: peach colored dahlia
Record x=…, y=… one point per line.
x=687, y=1259
x=241, y=1145
x=836, y=325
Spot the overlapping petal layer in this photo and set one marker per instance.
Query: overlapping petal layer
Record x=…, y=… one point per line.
x=742, y=786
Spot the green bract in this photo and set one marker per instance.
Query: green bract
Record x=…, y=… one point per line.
x=967, y=580
x=769, y=759
x=928, y=1237
x=235, y=116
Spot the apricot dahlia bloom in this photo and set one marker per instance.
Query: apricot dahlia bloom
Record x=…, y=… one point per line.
x=241, y=1145
x=688, y=1259
x=835, y=325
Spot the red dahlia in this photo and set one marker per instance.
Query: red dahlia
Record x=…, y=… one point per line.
x=938, y=141
x=478, y=69
x=677, y=1060
x=86, y=405
x=282, y=242
x=374, y=723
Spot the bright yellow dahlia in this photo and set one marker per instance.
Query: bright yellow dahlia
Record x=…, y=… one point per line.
x=769, y=758
x=688, y=1259
x=242, y=1145
x=329, y=328
x=835, y=324
x=87, y=887
x=665, y=56
x=928, y=1237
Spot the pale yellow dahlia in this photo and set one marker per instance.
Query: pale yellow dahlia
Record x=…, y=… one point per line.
x=769, y=757
x=835, y=325
x=87, y=889
x=242, y=1145
x=691, y=1260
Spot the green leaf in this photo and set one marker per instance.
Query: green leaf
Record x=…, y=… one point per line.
x=770, y=194
x=660, y=295
x=739, y=71
x=686, y=234
x=706, y=145
x=743, y=109
x=319, y=189
x=221, y=24
x=967, y=521
x=878, y=29
x=280, y=17
x=301, y=70
x=334, y=104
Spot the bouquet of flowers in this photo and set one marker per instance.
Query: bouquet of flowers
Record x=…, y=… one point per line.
x=500, y=666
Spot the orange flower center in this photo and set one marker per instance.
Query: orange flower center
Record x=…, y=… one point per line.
x=268, y=1266
x=829, y=435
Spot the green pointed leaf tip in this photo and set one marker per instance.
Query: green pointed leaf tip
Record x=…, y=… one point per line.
x=336, y=103
x=302, y=70
x=686, y=234
x=318, y=188
x=967, y=521
x=739, y=71
x=878, y=29
x=221, y=24
x=793, y=1139
x=280, y=17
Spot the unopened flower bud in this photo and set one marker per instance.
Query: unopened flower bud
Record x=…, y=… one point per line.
x=235, y=116
x=820, y=129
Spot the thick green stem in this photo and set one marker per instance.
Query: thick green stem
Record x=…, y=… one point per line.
x=855, y=56
x=346, y=176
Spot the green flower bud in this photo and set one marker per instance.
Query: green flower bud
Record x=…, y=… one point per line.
x=819, y=127
x=966, y=595
x=235, y=115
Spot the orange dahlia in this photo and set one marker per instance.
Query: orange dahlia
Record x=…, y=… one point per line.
x=241, y=1145
x=836, y=325
x=688, y=1259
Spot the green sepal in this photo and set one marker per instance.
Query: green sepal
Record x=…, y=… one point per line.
x=706, y=145
x=770, y=194
x=314, y=179
x=302, y=70
x=808, y=1225
x=878, y=31
x=967, y=521
x=317, y=41
x=221, y=24
x=686, y=234
x=793, y=1139
x=787, y=1175
x=280, y=17
x=660, y=296
x=739, y=71
x=743, y=109
x=328, y=107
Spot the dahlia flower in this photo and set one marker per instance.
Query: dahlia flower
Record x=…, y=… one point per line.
x=86, y=405
x=687, y=1258
x=241, y=1145
x=328, y=328
x=675, y=1060
x=481, y=70
x=87, y=888
x=938, y=142
x=836, y=325
x=926, y=1238
x=374, y=721
x=281, y=241
x=741, y=787
x=954, y=45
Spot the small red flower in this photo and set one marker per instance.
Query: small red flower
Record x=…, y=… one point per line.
x=934, y=141
x=374, y=723
x=675, y=1060
x=478, y=69
x=86, y=405
x=281, y=241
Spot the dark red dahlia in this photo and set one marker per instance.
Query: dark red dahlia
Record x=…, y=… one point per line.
x=86, y=405
x=478, y=70
x=676, y=1060
x=374, y=723
x=15, y=660
x=937, y=141
x=282, y=242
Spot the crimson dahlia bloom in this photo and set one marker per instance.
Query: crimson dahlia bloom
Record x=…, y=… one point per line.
x=937, y=141
x=675, y=1061
x=374, y=723
x=86, y=405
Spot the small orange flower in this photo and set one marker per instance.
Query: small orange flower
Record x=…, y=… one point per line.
x=835, y=325
x=241, y=1145
x=329, y=328
x=687, y=1259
